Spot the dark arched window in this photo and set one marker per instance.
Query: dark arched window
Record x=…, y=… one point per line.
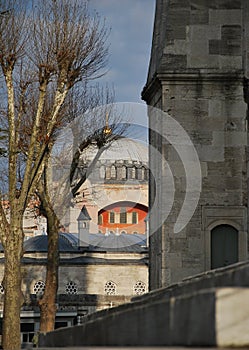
x=224, y=246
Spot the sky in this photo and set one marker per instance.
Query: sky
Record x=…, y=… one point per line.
x=131, y=24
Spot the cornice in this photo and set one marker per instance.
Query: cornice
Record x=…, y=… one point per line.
x=189, y=77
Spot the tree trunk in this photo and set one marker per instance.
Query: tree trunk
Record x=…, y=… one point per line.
x=13, y=297
x=47, y=303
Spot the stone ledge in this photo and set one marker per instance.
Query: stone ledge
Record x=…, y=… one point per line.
x=205, y=318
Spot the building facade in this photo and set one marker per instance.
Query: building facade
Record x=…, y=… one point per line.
x=115, y=193
x=198, y=75
x=106, y=273
x=103, y=245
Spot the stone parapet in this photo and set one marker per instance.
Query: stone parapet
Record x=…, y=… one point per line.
x=212, y=317
x=201, y=314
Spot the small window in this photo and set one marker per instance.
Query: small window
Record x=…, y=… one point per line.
x=139, y=288
x=102, y=172
x=133, y=173
x=110, y=288
x=113, y=172
x=108, y=173
x=1, y=289
x=134, y=217
x=124, y=172
x=142, y=173
x=123, y=216
x=39, y=288
x=111, y=217
x=139, y=174
x=100, y=219
x=71, y=288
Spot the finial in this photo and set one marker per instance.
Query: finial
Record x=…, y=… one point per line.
x=107, y=130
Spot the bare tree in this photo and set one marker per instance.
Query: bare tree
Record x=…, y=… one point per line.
x=75, y=118
x=44, y=51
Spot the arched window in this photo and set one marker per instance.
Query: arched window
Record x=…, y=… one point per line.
x=110, y=288
x=113, y=172
x=39, y=288
x=71, y=288
x=139, y=288
x=124, y=172
x=133, y=173
x=224, y=246
x=83, y=224
x=1, y=289
x=139, y=173
x=142, y=173
x=108, y=173
x=102, y=172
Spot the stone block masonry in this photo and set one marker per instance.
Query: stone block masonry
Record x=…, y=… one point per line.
x=191, y=314
x=197, y=75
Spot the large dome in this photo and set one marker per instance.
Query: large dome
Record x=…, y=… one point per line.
x=122, y=149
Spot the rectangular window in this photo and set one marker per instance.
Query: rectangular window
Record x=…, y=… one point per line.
x=100, y=220
x=111, y=217
x=134, y=217
x=123, y=216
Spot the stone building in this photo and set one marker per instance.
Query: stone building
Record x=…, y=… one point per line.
x=116, y=192
x=107, y=273
x=103, y=249
x=198, y=75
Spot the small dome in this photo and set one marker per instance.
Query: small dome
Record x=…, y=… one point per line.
x=40, y=244
x=132, y=243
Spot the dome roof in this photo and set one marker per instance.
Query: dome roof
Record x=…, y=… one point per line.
x=121, y=149
x=118, y=243
x=40, y=244
x=98, y=242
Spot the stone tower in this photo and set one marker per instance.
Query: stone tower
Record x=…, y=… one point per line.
x=198, y=75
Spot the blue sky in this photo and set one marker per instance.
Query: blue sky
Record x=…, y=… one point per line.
x=131, y=23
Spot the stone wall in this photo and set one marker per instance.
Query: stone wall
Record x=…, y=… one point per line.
x=196, y=77
x=207, y=310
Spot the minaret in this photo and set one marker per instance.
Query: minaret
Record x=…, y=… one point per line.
x=83, y=227
x=197, y=69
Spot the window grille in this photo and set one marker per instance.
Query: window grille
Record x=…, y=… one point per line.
x=39, y=288
x=110, y=288
x=71, y=288
x=139, y=288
